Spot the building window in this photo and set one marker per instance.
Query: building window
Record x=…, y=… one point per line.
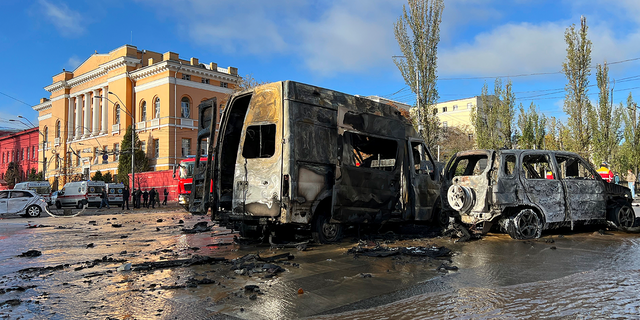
x=455, y=107
x=444, y=125
x=143, y=146
x=117, y=115
x=22, y=154
x=470, y=137
x=186, y=147
x=143, y=111
x=116, y=151
x=58, y=129
x=33, y=152
x=157, y=108
x=156, y=146
x=27, y=153
x=469, y=105
x=185, y=110
x=46, y=136
x=444, y=109
x=186, y=77
x=205, y=81
x=224, y=84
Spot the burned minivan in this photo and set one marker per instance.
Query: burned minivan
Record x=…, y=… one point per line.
x=523, y=192
x=295, y=156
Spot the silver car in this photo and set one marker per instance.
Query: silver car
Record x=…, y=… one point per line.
x=26, y=203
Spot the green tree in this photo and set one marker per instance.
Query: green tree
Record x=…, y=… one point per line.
x=628, y=156
x=532, y=125
x=493, y=117
x=605, y=120
x=97, y=176
x=35, y=176
x=107, y=177
x=576, y=68
x=418, y=34
x=124, y=164
x=12, y=175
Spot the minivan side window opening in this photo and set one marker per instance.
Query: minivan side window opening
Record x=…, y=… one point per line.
x=509, y=164
x=469, y=166
x=259, y=141
x=422, y=162
x=573, y=168
x=369, y=152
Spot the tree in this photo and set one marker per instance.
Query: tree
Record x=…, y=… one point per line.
x=34, y=176
x=532, y=127
x=419, y=64
x=493, y=117
x=247, y=82
x=454, y=140
x=12, y=175
x=629, y=153
x=97, y=176
x=124, y=165
x=107, y=177
x=605, y=119
x=576, y=69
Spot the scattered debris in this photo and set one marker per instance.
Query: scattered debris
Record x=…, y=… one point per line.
x=90, y=245
x=124, y=267
x=300, y=291
x=180, y=221
x=12, y=302
x=159, y=220
x=31, y=254
x=195, y=260
x=447, y=267
x=116, y=225
x=382, y=251
x=20, y=289
x=365, y=275
x=198, y=227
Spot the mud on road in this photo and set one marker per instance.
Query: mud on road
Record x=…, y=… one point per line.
x=171, y=265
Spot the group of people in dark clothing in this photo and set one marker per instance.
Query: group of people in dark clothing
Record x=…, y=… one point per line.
x=149, y=198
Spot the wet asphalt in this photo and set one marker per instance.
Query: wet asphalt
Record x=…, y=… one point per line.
x=83, y=273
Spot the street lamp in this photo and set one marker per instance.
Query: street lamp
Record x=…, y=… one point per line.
x=133, y=135
x=44, y=159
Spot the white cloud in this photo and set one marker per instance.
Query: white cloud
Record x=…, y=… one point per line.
x=73, y=62
x=67, y=21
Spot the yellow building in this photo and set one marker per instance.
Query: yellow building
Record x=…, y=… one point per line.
x=457, y=113
x=161, y=92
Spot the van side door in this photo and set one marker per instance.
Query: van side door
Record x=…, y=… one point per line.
x=584, y=187
x=424, y=180
x=542, y=186
x=367, y=185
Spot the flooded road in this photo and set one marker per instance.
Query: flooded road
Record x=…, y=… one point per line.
x=576, y=275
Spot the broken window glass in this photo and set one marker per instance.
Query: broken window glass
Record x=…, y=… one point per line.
x=536, y=166
x=370, y=152
x=574, y=168
x=259, y=141
x=509, y=164
x=472, y=165
x=422, y=162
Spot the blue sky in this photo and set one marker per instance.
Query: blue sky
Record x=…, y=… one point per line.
x=341, y=45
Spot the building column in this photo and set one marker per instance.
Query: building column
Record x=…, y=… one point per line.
x=105, y=110
x=87, y=114
x=70, y=115
x=78, y=121
x=95, y=112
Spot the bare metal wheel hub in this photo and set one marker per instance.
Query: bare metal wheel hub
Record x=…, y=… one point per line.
x=329, y=230
x=527, y=225
x=626, y=217
x=460, y=198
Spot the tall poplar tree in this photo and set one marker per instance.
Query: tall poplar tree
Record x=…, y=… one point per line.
x=418, y=34
x=605, y=119
x=493, y=117
x=576, y=69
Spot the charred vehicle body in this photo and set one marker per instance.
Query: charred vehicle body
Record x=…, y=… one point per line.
x=291, y=154
x=526, y=191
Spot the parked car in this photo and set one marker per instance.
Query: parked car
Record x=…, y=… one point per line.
x=527, y=191
x=27, y=203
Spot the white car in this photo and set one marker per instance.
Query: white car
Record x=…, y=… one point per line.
x=23, y=202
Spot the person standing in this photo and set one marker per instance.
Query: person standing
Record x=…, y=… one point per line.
x=145, y=198
x=125, y=197
x=166, y=195
x=631, y=181
x=104, y=199
x=152, y=198
x=138, y=195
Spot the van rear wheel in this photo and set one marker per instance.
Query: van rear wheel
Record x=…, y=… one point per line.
x=325, y=232
x=525, y=225
x=623, y=217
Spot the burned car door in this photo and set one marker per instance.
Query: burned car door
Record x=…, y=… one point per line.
x=424, y=180
x=542, y=186
x=258, y=168
x=367, y=185
x=585, y=189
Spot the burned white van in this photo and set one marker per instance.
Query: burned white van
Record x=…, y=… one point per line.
x=291, y=154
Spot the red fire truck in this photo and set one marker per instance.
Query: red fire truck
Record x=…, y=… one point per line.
x=185, y=179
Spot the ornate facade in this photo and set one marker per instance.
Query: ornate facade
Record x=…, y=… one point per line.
x=90, y=109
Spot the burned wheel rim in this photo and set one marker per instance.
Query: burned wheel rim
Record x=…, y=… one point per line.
x=526, y=225
x=329, y=230
x=626, y=217
x=324, y=231
x=33, y=211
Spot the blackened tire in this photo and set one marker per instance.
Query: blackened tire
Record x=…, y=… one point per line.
x=440, y=216
x=33, y=211
x=323, y=231
x=525, y=225
x=623, y=217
